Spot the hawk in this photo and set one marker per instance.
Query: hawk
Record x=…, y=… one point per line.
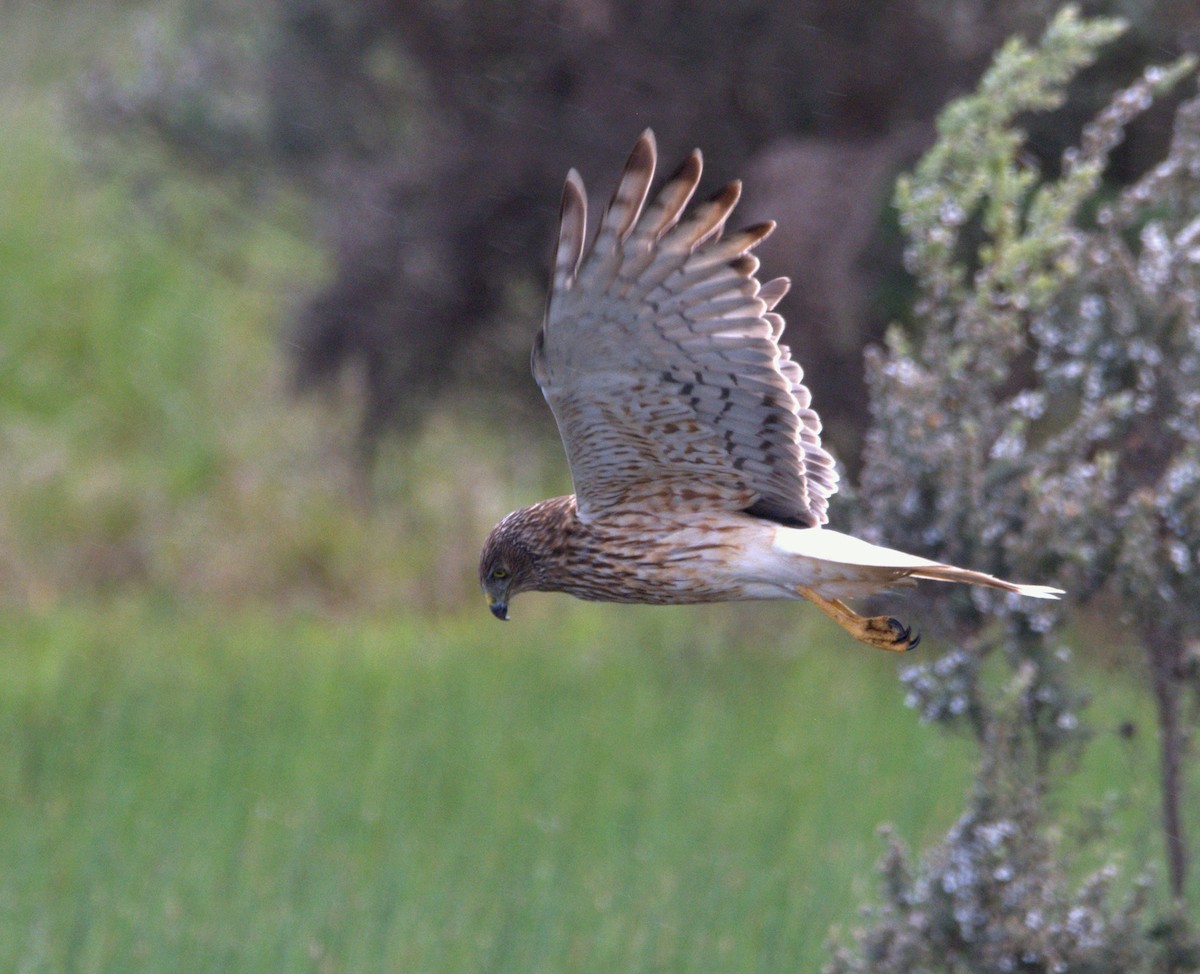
x=694, y=450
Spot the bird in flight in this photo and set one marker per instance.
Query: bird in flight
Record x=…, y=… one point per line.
x=694, y=450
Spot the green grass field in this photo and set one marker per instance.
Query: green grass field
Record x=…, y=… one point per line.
x=252, y=723
x=190, y=791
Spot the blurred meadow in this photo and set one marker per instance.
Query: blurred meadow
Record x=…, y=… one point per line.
x=254, y=715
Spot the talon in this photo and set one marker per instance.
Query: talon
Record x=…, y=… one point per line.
x=882, y=632
x=904, y=634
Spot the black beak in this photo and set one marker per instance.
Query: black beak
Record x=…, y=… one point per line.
x=499, y=609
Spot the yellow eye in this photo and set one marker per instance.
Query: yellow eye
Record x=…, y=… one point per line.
x=499, y=573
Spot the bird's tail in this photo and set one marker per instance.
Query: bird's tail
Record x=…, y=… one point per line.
x=872, y=568
x=950, y=573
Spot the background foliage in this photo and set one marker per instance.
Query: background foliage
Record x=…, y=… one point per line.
x=1043, y=411
x=253, y=716
x=437, y=135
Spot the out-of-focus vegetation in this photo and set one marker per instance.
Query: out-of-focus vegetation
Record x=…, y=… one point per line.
x=149, y=437
x=242, y=725
x=437, y=136
x=1044, y=421
x=186, y=790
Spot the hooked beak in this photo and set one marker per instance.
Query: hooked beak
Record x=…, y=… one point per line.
x=499, y=608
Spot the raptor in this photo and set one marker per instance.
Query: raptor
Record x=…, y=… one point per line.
x=694, y=450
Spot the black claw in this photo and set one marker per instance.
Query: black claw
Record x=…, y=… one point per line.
x=904, y=634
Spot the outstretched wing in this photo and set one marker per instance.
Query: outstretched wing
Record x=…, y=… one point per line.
x=660, y=358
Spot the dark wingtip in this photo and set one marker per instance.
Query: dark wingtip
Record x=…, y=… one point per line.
x=645, y=149
x=690, y=169
x=760, y=231
x=728, y=195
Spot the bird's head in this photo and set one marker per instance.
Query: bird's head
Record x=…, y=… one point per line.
x=509, y=564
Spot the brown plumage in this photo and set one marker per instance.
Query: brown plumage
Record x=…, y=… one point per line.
x=631, y=556
x=696, y=456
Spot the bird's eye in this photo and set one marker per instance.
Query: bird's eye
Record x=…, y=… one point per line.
x=499, y=573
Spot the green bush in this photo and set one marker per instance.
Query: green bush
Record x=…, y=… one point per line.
x=1042, y=424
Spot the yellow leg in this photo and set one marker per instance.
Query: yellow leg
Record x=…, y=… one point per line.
x=882, y=632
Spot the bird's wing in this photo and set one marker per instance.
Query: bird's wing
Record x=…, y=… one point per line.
x=660, y=358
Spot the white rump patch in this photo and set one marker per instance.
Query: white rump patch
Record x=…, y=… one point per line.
x=829, y=545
